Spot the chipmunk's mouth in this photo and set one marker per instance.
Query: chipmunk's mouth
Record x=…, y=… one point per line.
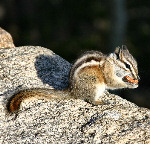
x=130, y=80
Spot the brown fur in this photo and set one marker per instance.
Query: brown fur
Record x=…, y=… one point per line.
x=94, y=71
x=38, y=93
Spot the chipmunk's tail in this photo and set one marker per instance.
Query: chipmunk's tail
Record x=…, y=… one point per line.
x=38, y=93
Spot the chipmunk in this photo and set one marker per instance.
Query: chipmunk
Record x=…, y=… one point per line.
x=91, y=74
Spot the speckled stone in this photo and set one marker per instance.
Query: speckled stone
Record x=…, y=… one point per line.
x=32, y=66
x=6, y=40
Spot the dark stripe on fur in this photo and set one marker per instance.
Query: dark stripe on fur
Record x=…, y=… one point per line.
x=98, y=56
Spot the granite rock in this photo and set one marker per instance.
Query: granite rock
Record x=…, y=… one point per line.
x=6, y=40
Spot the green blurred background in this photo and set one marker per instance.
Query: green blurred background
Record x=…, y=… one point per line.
x=70, y=27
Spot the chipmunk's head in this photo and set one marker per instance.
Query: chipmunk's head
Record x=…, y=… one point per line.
x=124, y=67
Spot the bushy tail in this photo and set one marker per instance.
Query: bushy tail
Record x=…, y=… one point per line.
x=38, y=93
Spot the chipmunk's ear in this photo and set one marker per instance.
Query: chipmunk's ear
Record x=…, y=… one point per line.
x=121, y=51
x=124, y=48
x=117, y=52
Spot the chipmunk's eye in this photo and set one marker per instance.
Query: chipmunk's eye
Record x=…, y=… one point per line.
x=127, y=66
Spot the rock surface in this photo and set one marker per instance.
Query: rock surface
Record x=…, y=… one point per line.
x=69, y=121
x=6, y=40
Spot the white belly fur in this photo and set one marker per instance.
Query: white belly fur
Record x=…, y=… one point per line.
x=100, y=88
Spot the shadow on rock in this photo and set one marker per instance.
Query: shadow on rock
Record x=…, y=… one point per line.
x=53, y=70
